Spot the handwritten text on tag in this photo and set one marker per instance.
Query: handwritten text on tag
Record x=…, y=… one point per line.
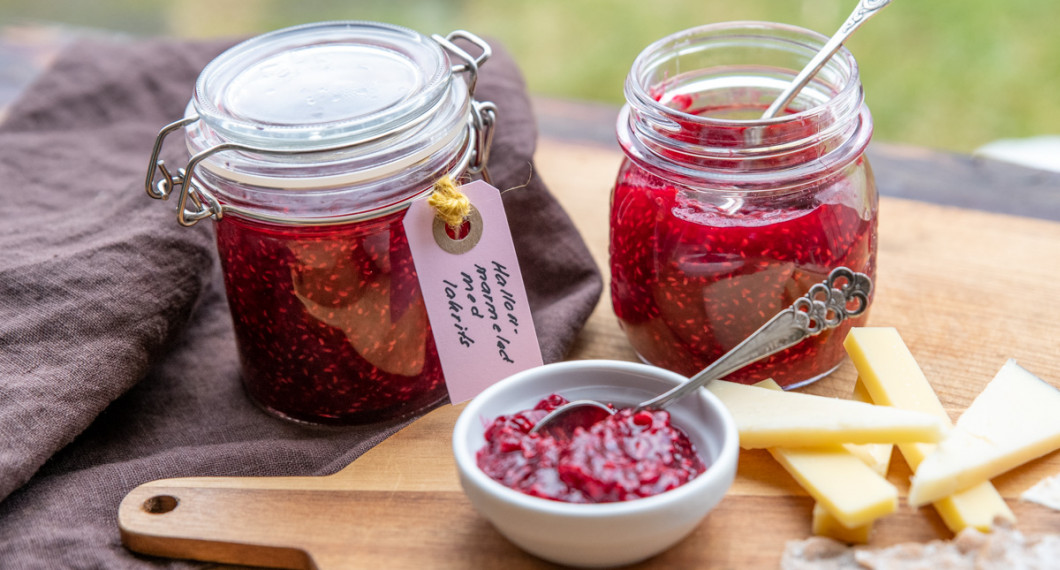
x=474, y=291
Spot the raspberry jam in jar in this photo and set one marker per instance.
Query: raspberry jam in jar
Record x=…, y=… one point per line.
x=628, y=455
x=719, y=219
x=307, y=146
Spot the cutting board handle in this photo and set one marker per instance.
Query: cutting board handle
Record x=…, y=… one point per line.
x=224, y=520
x=404, y=485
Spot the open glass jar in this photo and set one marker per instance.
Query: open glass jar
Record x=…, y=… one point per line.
x=307, y=146
x=720, y=219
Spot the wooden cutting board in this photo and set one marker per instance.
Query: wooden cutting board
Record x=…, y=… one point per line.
x=966, y=289
x=400, y=506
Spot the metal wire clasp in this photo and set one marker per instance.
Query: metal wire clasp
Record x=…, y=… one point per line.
x=483, y=113
x=171, y=182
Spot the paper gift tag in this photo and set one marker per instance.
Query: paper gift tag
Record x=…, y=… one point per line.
x=474, y=292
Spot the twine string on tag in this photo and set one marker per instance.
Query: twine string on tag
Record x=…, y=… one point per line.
x=449, y=203
x=457, y=224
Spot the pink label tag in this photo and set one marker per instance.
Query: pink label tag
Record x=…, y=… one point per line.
x=474, y=293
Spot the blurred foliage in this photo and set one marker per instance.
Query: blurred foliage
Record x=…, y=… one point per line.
x=951, y=74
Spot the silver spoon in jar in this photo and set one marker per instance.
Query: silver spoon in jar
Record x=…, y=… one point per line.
x=861, y=14
x=843, y=295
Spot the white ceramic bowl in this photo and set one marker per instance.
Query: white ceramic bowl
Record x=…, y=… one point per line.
x=608, y=534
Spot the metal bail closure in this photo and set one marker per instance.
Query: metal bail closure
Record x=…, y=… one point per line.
x=203, y=204
x=484, y=118
x=470, y=64
x=484, y=113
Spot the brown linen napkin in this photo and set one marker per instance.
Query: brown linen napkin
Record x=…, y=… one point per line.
x=117, y=359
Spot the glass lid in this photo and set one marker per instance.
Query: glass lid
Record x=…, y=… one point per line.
x=322, y=84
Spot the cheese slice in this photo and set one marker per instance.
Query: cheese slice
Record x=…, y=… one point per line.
x=848, y=489
x=1015, y=419
x=824, y=524
x=878, y=457
x=766, y=419
x=892, y=377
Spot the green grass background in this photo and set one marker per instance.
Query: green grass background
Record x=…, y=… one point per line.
x=950, y=74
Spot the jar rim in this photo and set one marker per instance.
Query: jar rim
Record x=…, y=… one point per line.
x=796, y=36
x=695, y=100
x=281, y=89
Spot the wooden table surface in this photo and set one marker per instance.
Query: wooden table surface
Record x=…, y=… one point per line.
x=967, y=272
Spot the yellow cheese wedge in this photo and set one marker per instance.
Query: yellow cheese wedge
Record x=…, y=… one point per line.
x=766, y=418
x=1015, y=419
x=878, y=457
x=824, y=524
x=892, y=377
x=851, y=491
x=848, y=489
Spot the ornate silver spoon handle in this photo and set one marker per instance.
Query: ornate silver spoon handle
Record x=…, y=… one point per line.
x=861, y=14
x=843, y=295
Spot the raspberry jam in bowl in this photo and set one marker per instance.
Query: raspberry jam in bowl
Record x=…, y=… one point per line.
x=718, y=218
x=627, y=455
x=632, y=520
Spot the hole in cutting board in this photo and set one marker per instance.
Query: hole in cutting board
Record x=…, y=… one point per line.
x=160, y=504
